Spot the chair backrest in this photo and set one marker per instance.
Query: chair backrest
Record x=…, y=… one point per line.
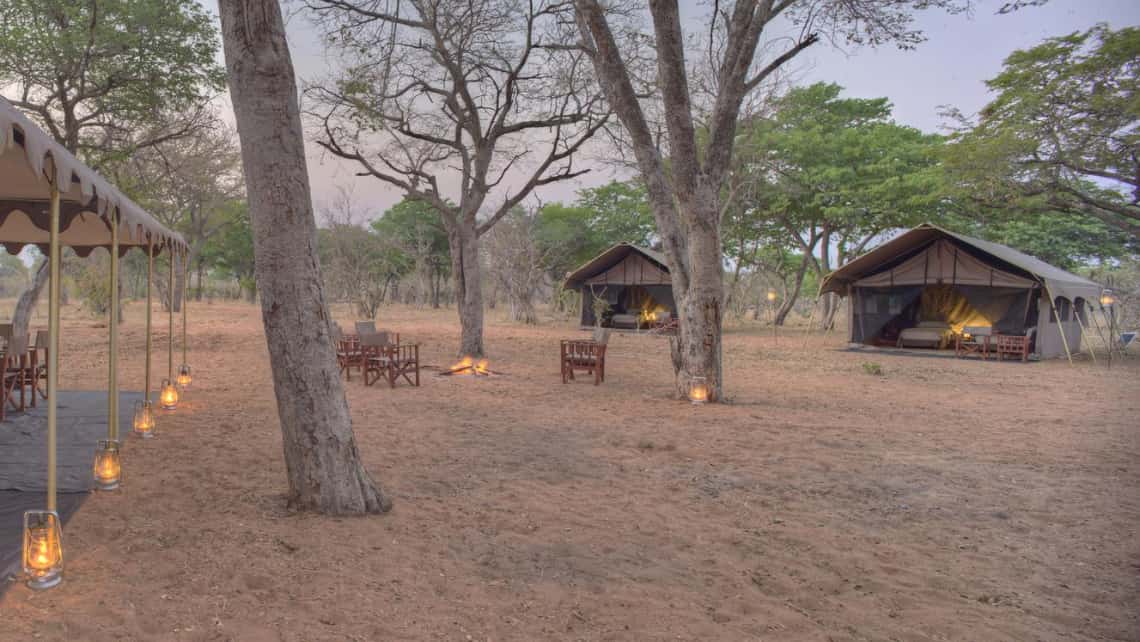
x=602, y=335
x=43, y=338
x=978, y=330
x=17, y=345
x=5, y=331
x=365, y=327
x=375, y=339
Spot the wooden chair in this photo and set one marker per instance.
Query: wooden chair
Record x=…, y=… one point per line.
x=585, y=355
x=348, y=354
x=977, y=343
x=402, y=360
x=377, y=353
x=1013, y=345
x=38, y=371
x=14, y=368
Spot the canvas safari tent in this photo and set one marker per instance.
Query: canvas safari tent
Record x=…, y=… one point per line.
x=634, y=282
x=929, y=277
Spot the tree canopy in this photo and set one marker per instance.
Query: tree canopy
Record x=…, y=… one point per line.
x=1063, y=132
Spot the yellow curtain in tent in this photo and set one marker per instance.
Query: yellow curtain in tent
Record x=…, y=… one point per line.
x=945, y=303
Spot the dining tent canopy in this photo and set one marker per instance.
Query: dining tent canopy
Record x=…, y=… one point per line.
x=48, y=198
x=31, y=162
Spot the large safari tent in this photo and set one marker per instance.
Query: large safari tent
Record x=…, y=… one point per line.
x=633, y=280
x=931, y=278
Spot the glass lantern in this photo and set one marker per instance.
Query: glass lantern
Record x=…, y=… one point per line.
x=43, y=549
x=108, y=466
x=772, y=296
x=698, y=391
x=144, y=419
x=184, y=377
x=168, y=395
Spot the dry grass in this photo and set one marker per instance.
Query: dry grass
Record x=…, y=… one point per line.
x=941, y=499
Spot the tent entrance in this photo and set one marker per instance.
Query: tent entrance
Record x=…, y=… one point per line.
x=629, y=306
x=929, y=316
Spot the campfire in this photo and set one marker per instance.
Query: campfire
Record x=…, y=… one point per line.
x=469, y=366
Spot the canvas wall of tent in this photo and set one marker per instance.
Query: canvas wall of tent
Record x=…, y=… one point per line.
x=924, y=286
x=632, y=281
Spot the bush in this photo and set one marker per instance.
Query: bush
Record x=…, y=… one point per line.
x=873, y=369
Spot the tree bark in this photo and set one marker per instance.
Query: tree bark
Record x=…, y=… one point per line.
x=22, y=316
x=323, y=464
x=463, y=239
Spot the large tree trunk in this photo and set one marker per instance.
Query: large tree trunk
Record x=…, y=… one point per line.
x=321, y=458
x=22, y=316
x=700, y=307
x=463, y=240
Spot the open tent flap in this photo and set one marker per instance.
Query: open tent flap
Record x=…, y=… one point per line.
x=883, y=312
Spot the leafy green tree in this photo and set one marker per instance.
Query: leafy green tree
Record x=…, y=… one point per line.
x=413, y=230
x=106, y=78
x=617, y=212
x=230, y=250
x=1063, y=133
x=825, y=176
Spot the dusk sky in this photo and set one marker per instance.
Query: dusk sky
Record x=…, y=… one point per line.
x=961, y=52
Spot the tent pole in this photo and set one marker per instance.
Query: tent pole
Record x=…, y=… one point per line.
x=113, y=340
x=149, y=279
x=1100, y=330
x=1084, y=334
x=53, y=346
x=1057, y=318
x=170, y=325
x=185, y=302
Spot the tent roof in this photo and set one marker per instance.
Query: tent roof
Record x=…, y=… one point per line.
x=610, y=258
x=1058, y=281
x=31, y=161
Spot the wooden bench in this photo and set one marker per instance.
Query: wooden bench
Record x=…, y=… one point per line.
x=1013, y=345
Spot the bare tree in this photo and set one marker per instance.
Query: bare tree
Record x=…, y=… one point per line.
x=359, y=264
x=685, y=170
x=321, y=458
x=518, y=262
x=468, y=105
x=186, y=182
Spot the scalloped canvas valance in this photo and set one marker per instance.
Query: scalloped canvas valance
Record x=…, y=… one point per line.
x=31, y=161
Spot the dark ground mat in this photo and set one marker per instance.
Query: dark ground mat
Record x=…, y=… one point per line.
x=82, y=421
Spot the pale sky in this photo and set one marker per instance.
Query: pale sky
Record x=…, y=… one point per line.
x=961, y=52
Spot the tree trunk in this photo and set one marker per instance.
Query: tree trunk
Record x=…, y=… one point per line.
x=321, y=458
x=464, y=243
x=790, y=297
x=201, y=278
x=22, y=316
x=697, y=346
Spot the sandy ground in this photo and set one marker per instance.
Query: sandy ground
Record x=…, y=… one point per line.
x=943, y=500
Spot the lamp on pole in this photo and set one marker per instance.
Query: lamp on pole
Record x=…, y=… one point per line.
x=1108, y=307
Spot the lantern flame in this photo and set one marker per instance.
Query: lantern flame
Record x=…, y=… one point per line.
x=144, y=419
x=43, y=549
x=108, y=466
x=168, y=398
x=184, y=377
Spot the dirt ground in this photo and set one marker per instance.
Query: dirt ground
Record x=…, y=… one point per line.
x=942, y=500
